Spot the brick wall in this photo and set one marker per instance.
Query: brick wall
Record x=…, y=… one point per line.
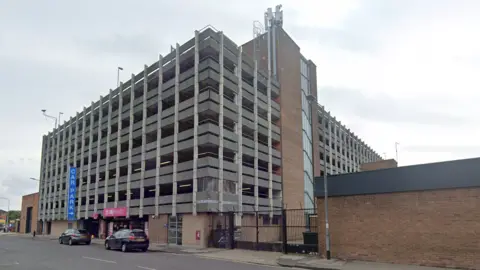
x=378, y=165
x=30, y=200
x=435, y=228
x=291, y=146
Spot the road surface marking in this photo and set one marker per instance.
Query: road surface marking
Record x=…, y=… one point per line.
x=9, y=264
x=146, y=268
x=97, y=259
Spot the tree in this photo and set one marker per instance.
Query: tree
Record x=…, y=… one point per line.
x=13, y=215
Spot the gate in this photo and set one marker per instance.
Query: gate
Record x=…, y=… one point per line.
x=222, y=230
x=287, y=230
x=301, y=231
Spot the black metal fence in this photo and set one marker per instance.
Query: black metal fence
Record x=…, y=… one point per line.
x=287, y=230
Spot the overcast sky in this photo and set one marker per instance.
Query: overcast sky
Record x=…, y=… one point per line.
x=393, y=71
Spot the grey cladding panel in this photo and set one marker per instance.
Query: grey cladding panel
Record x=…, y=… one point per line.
x=442, y=175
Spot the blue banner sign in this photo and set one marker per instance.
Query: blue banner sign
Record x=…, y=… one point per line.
x=72, y=193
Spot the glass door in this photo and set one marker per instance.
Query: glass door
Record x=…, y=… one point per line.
x=175, y=230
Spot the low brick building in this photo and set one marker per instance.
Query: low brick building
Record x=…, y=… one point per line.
x=424, y=214
x=378, y=165
x=29, y=214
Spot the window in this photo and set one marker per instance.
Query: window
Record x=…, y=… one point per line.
x=304, y=84
x=303, y=68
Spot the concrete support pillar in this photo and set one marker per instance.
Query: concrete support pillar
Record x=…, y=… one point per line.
x=107, y=159
x=61, y=179
x=89, y=166
x=270, y=159
x=57, y=172
x=69, y=161
x=255, y=134
x=195, y=127
x=130, y=143
x=220, y=124
x=239, y=130
x=99, y=140
x=82, y=151
x=176, y=126
x=144, y=137
x=119, y=145
x=46, y=180
x=159, y=132
x=75, y=152
x=42, y=178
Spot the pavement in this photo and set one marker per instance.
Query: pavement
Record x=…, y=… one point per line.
x=22, y=251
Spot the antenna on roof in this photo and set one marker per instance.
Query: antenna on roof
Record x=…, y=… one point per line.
x=258, y=30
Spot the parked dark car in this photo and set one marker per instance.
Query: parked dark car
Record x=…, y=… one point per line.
x=126, y=240
x=75, y=236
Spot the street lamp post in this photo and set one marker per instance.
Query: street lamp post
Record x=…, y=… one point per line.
x=38, y=180
x=8, y=210
x=118, y=75
x=56, y=119
x=312, y=100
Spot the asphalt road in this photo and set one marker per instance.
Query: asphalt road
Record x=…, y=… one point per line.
x=35, y=254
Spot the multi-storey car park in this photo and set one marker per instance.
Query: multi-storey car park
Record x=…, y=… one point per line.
x=345, y=151
x=194, y=132
x=209, y=127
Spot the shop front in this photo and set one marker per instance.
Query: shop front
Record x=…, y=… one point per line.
x=114, y=219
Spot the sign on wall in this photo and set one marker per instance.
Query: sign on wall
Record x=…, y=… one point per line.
x=72, y=193
x=115, y=212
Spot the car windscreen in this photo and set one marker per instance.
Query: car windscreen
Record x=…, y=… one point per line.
x=81, y=231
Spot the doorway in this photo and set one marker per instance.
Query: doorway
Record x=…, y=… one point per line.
x=28, y=222
x=175, y=229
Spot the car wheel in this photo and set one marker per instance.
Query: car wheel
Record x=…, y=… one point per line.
x=144, y=249
x=70, y=242
x=124, y=248
x=88, y=243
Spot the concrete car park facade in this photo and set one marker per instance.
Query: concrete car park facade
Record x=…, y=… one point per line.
x=210, y=127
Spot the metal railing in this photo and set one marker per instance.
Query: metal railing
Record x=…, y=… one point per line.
x=282, y=230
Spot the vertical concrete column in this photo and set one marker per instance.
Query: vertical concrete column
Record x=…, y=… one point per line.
x=175, y=132
x=269, y=117
x=330, y=138
x=61, y=193
x=119, y=145
x=75, y=152
x=220, y=124
x=46, y=179
x=57, y=173
x=239, y=130
x=82, y=153
x=107, y=158
x=144, y=138
x=51, y=180
x=66, y=166
x=89, y=166
x=99, y=141
x=334, y=147
x=130, y=142
x=195, y=126
x=340, y=150
x=255, y=133
x=41, y=183
x=159, y=132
